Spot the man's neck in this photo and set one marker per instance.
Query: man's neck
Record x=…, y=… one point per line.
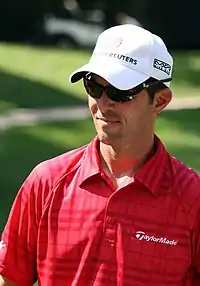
x=125, y=161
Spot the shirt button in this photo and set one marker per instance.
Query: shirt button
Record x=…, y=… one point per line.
x=111, y=220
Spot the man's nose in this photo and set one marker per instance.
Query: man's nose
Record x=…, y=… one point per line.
x=104, y=101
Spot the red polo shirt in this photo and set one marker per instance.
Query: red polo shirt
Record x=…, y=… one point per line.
x=70, y=226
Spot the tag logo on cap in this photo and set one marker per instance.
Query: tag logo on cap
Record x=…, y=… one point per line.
x=114, y=42
x=160, y=65
x=109, y=43
x=117, y=42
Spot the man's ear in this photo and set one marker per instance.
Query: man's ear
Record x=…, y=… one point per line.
x=161, y=99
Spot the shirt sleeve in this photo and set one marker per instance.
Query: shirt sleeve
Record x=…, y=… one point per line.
x=196, y=247
x=19, y=238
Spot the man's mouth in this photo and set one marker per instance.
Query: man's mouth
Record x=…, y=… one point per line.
x=108, y=120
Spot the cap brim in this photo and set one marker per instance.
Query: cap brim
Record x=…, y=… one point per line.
x=116, y=74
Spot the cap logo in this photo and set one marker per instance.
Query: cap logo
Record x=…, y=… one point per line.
x=116, y=42
x=160, y=65
x=116, y=56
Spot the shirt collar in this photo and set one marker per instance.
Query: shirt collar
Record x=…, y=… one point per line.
x=90, y=163
x=150, y=175
x=153, y=171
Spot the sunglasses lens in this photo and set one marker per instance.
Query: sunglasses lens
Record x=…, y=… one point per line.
x=94, y=90
x=118, y=95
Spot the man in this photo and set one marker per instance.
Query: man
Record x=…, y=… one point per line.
x=121, y=210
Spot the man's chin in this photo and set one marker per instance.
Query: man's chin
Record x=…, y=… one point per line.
x=107, y=139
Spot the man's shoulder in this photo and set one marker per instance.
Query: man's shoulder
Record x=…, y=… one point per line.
x=53, y=169
x=61, y=163
x=186, y=183
x=184, y=174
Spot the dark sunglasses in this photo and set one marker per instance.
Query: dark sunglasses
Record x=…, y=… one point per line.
x=96, y=90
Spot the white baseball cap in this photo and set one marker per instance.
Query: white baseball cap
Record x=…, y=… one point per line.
x=127, y=55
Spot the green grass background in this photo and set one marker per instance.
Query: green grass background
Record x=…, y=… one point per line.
x=33, y=77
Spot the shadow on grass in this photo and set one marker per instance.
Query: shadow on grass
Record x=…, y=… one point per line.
x=186, y=68
x=24, y=93
x=186, y=119
x=23, y=147
x=180, y=130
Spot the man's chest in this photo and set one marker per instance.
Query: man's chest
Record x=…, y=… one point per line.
x=121, y=238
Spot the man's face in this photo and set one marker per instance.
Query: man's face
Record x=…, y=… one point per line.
x=126, y=121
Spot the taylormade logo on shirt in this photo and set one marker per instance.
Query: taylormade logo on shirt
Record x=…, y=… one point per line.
x=140, y=235
x=2, y=244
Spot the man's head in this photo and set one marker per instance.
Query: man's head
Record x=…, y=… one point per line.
x=135, y=70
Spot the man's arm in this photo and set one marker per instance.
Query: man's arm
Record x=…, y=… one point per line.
x=6, y=282
x=195, y=243
x=18, y=242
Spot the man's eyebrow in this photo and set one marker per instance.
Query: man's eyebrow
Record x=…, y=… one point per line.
x=94, y=81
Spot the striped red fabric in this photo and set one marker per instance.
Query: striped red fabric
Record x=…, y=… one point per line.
x=69, y=226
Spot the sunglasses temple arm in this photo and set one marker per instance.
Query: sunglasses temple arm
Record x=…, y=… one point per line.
x=146, y=85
